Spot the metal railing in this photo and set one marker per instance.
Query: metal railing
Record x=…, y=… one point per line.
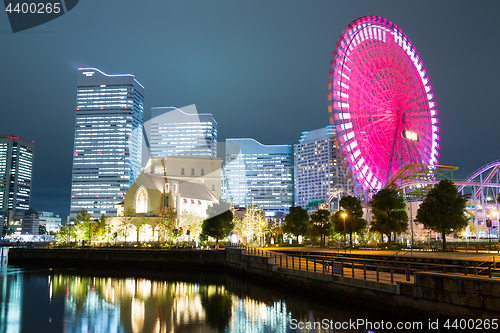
x=377, y=271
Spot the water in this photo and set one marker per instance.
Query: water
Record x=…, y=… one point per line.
x=105, y=301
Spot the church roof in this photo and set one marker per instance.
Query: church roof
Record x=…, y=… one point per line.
x=187, y=189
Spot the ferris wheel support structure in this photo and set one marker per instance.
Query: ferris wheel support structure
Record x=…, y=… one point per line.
x=485, y=185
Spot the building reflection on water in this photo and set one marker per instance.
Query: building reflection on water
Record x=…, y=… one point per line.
x=70, y=301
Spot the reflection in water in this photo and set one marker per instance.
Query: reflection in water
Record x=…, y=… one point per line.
x=218, y=309
x=69, y=301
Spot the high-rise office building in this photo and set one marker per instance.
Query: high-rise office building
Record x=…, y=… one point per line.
x=181, y=132
x=318, y=167
x=108, y=140
x=16, y=170
x=259, y=175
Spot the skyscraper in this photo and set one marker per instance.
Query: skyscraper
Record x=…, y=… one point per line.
x=259, y=175
x=16, y=170
x=108, y=140
x=318, y=167
x=182, y=132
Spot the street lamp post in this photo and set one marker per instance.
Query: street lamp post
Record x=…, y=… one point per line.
x=263, y=223
x=90, y=233
x=344, y=215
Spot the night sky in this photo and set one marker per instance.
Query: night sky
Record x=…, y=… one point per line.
x=260, y=67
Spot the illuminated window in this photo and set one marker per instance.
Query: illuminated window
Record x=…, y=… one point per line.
x=141, y=204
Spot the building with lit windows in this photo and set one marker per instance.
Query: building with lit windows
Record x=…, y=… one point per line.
x=259, y=175
x=318, y=167
x=16, y=170
x=181, y=132
x=107, y=151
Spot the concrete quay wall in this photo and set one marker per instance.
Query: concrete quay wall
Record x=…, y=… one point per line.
x=186, y=259
x=432, y=295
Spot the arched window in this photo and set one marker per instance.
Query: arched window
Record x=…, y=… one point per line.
x=141, y=203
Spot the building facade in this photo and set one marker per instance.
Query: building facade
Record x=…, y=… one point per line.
x=199, y=170
x=182, y=132
x=319, y=172
x=259, y=175
x=186, y=185
x=107, y=151
x=51, y=221
x=16, y=171
x=30, y=223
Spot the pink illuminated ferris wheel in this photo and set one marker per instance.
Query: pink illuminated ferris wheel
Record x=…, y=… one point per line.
x=381, y=102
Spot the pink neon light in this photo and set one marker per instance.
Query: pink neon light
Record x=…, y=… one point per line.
x=378, y=79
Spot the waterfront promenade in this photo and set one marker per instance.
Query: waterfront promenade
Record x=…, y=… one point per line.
x=382, y=266
x=481, y=255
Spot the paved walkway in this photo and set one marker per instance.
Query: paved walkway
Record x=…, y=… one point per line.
x=480, y=256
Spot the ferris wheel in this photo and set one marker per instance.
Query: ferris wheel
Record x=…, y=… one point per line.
x=381, y=102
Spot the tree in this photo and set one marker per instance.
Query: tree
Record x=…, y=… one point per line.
x=192, y=222
x=167, y=222
x=219, y=223
x=321, y=224
x=126, y=220
x=7, y=231
x=42, y=230
x=443, y=210
x=82, y=222
x=354, y=221
x=66, y=233
x=99, y=227
x=296, y=222
x=389, y=213
x=251, y=223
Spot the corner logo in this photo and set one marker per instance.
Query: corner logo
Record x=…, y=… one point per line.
x=25, y=15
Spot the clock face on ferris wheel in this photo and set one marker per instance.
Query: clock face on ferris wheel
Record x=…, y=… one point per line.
x=381, y=102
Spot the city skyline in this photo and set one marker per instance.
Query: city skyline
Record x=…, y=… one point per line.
x=267, y=81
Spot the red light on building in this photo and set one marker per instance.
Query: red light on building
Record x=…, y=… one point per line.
x=97, y=196
x=78, y=108
x=76, y=153
x=102, y=108
x=98, y=152
x=73, y=196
